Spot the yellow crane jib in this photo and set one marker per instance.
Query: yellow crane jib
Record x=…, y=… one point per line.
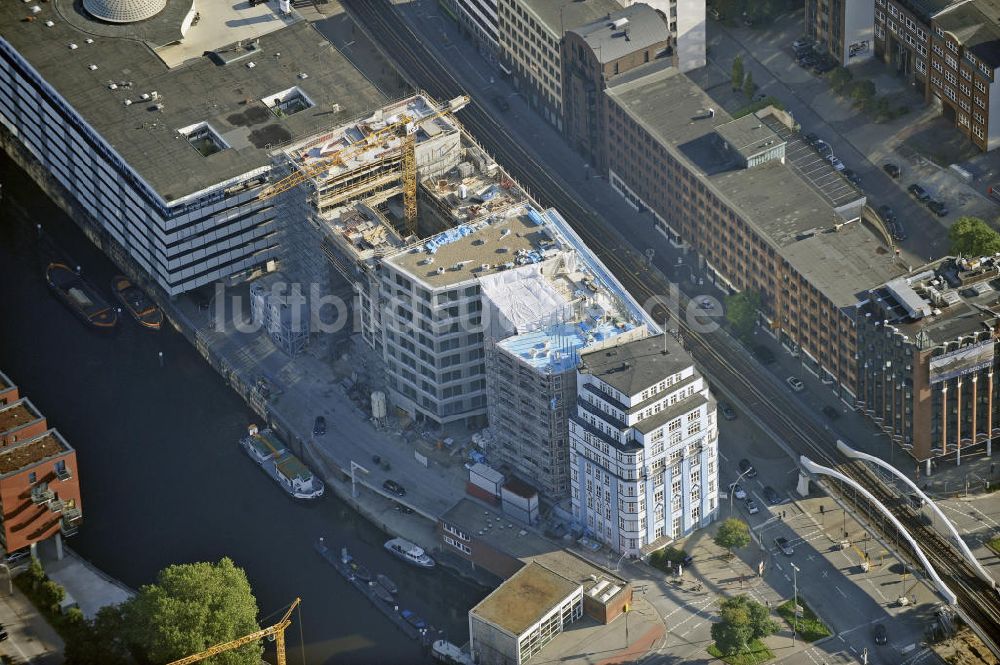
x=375, y=138
x=277, y=631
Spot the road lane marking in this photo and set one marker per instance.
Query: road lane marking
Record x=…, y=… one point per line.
x=839, y=590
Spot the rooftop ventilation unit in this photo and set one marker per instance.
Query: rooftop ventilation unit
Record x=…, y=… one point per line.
x=619, y=24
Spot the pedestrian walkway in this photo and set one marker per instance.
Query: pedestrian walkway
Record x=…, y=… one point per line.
x=86, y=587
x=30, y=638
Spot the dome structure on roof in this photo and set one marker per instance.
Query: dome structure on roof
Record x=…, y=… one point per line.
x=124, y=11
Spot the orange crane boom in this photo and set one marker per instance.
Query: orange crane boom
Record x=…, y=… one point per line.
x=277, y=630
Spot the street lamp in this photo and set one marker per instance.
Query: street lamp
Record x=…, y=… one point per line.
x=795, y=600
x=733, y=489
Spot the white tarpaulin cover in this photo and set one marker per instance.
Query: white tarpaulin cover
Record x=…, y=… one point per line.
x=521, y=300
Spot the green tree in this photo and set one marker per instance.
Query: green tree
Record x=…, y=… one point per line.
x=733, y=533
x=742, y=621
x=191, y=607
x=738, y=72
x=741, y=312
x=749, y=87
x=971, y=236
x=840, y=78
x=98, y=642
x=882, y=108
x=50, y=594
x=862, y=92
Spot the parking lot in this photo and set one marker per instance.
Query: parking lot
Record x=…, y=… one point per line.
x=816, y=169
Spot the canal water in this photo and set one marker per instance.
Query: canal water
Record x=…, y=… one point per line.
x=162, y=476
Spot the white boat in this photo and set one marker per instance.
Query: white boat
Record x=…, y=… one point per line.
x=446, y=652
x=288, y=470
x=409, y=553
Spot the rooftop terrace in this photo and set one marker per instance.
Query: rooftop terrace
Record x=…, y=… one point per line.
x=524, y=599
x=109, y=66
x=24, y=454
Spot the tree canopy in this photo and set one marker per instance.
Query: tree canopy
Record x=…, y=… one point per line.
x=749, y=87
x=190, y=608
x=738, y=72
x=741, y=312
x=743, y=621
x=971, y=236
x=733, y=533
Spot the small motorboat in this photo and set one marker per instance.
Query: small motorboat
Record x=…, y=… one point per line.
x=382, y=594
x=409, y=552
x=137, y=303
x=387, y=584
x=413, y=619
x=360, y=571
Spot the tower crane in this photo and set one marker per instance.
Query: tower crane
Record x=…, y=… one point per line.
x=277, y=631
x=376, y=138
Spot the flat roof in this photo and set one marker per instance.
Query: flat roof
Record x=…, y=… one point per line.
x=634, y=366
x=771, y=197
x=644, y=28
x=226, y=96
x=556, y=347
x=496, y=530
x=576, y=569
x=748, y=136
x=559, y=16
x=24, y=454
x=526, y=597
x=457, y=255
x=5, y=382
x=17, y=414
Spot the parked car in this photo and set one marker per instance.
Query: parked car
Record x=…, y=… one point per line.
x=795, y=384
x=807, y=61
x=760, y=96
x=897, y=231
x=746, y=469
x=919, y=192
x=801, y=42
x=726, y=409
x=851, y=176
x=811, y=139
x=406, y=510
x=836, y=163
x=887, y=214
x=752, y=507
x=764, y=354
x=705, y=302
x=937, y=207
x=319, y=426
x=824, y=66
x=501, y=103
x=879, y=634
x=782, y=544
x=393, y=487
x=738, y=491
x=891, y=169
x=831, y=412
x=771, y=496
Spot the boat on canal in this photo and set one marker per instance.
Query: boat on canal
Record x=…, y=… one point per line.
x=278, y=462
x=82, y=298
x=444, y=651
x=137, y=303
x=413, y=619
x=409, y=552
x=387, y=584
x=382, y=594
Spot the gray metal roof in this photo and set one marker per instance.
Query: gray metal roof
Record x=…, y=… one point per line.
x=632, y=367
x=976, y=26
x=634, y=28
x=227, y=96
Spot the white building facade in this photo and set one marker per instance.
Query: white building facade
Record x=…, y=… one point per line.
x=643, y=445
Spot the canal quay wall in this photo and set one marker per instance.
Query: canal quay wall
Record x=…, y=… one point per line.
x=299, y=389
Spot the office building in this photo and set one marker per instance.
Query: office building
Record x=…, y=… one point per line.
x=39, y=487
x=531, y=33
x=158, y=133
x=479, y=19
x=685, y=19
x=644, y=445
x=722, y=189
x=599, y=52
x=964, y=61
x=928, y=357
x=843, y=28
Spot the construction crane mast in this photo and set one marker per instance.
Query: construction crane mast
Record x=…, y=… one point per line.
x=277, y=631
x=403, y=125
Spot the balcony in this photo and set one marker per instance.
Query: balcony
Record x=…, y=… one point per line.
x=63, y=473
x=41, y=494
x=57, y=505
x=70, y=522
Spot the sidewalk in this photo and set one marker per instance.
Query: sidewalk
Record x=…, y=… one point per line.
x=86, y=586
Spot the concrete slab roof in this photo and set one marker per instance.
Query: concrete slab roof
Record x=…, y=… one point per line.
x=524, y=599
x=226, y=96
x=644, y=28
x=558, y=16
x=976, y=26
x=496, y=530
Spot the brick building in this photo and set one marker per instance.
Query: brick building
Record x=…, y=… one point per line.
x=721, y=188
x=8, y=391
x=597, y=53
x=902, y=36
x=39, y=488
x=928, y=357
